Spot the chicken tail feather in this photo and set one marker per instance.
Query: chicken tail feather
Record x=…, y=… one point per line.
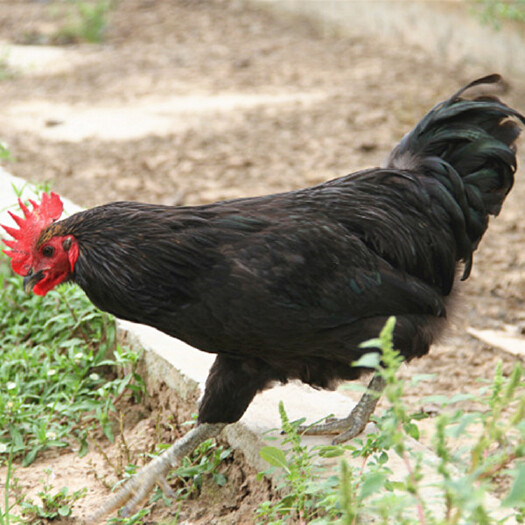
x=468, y=146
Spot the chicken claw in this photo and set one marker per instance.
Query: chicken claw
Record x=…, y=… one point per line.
x=351, y=426
x=139, y=486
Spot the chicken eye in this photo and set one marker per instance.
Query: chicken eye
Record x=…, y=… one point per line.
x=48, y=251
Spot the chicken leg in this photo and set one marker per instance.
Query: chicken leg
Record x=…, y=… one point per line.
x=139, y=486
x=351, y=426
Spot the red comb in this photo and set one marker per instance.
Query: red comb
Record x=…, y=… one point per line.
x=31, y=225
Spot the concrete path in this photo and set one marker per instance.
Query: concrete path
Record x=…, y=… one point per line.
x=156, y=116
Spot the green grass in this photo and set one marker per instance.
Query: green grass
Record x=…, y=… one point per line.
x=56, y=352
x=63, y=376
x=496, y=12
x=58, y=358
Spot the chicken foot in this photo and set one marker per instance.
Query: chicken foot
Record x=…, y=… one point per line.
x=139, y=486
x=351, y=426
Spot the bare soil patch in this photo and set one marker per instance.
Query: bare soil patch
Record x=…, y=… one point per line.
x=372, y=94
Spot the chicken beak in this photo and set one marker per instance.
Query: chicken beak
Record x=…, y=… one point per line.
x=31, y=279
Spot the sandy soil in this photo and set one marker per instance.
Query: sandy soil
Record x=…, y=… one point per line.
x=191, y=102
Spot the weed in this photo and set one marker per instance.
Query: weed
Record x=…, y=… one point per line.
x=451, y=489
x=187, y=480
x=204, y=461
x=495, y=12
x=87, y=22
x=54, y=355
x=11, y=487
x=132, y=520
x=5, y=154
x=307, y=492
x=52, y=506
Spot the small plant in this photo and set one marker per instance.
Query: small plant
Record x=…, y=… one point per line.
x=187, y=480
x=11, y=487
x=305, y=487
x=459, y=479
x=5, y=154
x=52, y=506
x=54, y=351
x=137, y=518
x=204, y=461
x=88, y=21
x=495, y=12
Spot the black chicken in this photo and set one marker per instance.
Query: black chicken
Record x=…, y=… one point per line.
x=287, y=286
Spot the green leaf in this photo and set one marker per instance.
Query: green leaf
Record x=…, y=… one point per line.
x=108, y=431
x=516, y=497
x=418, y=378
x=369, y=360
x=17, y=438
x=383, y=458
x=371, y=343
x=190, y=471
x=275, y=457
x=457, y=398
x=396, y=485
x=372, y=484
x=220, y=479
x=331, y=451
x=30, y=457
x=84, y=447
x=438, y=399
x=64, y=510
x=412, y=430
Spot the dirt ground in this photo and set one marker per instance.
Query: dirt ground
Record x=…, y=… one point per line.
x=359, y=96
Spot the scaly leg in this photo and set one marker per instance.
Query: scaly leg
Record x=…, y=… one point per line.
x=139, y=486
x=351, y=426
x=230, y=387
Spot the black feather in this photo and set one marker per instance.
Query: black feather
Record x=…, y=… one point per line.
x=287, y=286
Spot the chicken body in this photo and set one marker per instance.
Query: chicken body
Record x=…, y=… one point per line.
x=282, y=286
x=287, y=286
